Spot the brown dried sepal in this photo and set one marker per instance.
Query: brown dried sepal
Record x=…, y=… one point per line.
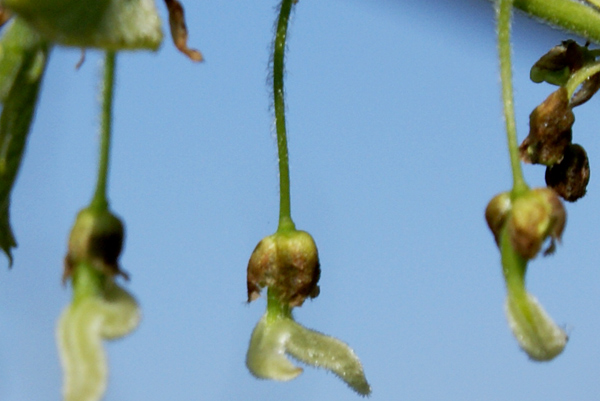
x=535, y=217
x=570, y=177
x=96, y=238
x=179, y=31
x=497, y=212
x=287, y=263
x=549, y=130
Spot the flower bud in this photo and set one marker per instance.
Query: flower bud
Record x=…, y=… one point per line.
x=288, y=263
x=570, y=177
x=96, y=238
x=496, y=213
x=535, y=216
x=549, y=130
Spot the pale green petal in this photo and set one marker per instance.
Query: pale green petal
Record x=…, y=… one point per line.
x=272, y=339
x=533, y=328
x=266, y=354
x=319, y=350
x=80, y=332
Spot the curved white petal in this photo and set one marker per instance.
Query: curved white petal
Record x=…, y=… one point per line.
x=81, y=329
x=534, y=329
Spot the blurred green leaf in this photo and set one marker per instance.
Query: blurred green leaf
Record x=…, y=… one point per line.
x=108, y=24
x=23, y=58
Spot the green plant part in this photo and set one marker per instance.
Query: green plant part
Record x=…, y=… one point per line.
x=23, y=58
x=522, y=221
x=536, y=216
x=101, y=310
x=580, y=18
x=533, y=328
x=273, y=338
x=557, y=66
x=287, y=263
x=107, y=24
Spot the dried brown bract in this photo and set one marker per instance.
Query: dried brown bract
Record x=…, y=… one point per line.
x=179, y=31
x=549, y=130
x=570, y=177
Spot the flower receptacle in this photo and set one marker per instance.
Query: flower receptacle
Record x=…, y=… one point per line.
x=287, y=263
x=96, y=238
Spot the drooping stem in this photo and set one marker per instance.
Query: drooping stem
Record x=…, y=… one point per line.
x=514, y=267
x=504, y=15
x=285, y=216
x=571, y=15
x=580, y=76
x=100, y=200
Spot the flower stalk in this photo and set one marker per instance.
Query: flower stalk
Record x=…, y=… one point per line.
x=100, y=309
x=521, y=222
x=287, y=263
x=100, y=200
x=504, y=16
x=279, y=45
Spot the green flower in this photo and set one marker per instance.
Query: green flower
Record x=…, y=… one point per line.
x=287, y=262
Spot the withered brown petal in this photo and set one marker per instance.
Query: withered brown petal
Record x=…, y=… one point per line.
x=549, y=130
x=179, y=31
x=570, y=177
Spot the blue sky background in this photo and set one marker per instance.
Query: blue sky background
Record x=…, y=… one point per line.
x=396, y=146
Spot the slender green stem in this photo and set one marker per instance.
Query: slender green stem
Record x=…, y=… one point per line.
x=514, y=267
x=100, y=200
x=580, y=76
x=275, y=309
x=285, y=216
x=504, y=15
x=570, y=15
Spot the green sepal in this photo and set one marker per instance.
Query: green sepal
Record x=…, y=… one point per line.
x=107, y=24
x=23, y=58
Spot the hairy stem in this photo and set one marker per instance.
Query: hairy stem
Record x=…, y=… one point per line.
x=275, y=309
x=504, y=15
x=580, y=76
x=285, y=217
x=100, y=200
